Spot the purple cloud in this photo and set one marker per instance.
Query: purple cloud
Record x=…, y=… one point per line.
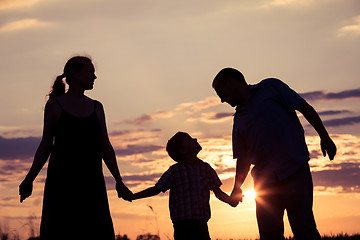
x=345, y=175
x=321, y=95
x=128, y=132
x=142, y=177
x=144, y=118
x=222, y=115
x=342, y=121
x=18, y=148
x=333, y=112
x=132, y=149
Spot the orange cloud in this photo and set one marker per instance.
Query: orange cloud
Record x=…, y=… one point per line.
x=23, y=24
x=281, y=3
x=352, y=29
x=8, y=4
x=200, y=105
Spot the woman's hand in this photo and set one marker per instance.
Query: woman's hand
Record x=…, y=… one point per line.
x=123, y=191
x=25, y=190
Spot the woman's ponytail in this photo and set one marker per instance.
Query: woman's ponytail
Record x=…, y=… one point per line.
x=73, y=64
x=58, y=87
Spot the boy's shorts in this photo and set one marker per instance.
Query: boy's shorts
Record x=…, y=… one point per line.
x=191, y=230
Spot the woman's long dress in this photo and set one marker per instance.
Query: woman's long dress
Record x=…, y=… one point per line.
x=75, y=204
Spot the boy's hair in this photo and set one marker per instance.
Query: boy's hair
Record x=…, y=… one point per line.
x=225, y=74
x=174, y=144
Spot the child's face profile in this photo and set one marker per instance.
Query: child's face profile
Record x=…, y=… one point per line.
x=190, y=145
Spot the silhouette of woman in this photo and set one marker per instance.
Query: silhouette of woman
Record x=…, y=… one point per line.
x=75, y=204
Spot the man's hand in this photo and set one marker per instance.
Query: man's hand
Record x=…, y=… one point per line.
x=328, y=146
x=123, y=191
x=25, y=190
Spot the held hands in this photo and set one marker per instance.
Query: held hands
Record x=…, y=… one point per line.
x=123, y=191
x=25, y=190
x=236, y=197
x=328, y=146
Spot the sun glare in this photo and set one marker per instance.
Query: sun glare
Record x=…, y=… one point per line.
x=250, y=194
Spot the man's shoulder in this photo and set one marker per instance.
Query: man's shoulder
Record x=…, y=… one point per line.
x=269, y=82
x=271, y=85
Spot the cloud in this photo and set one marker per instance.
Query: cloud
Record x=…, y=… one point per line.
x=352, y=29
x=29, y=23
x=321, y=95
x=137, y=149
x=187, y=108
x=341, y=121
x=9, y=4
x=145, y=118
x=344, y=176
x=333, y=112
x=18, y=148
x=205, y=104
x=128, y=132
x=213, y=117
x=284, y=3
x=142, y=177
x=17, y=131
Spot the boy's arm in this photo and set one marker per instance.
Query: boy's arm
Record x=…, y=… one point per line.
x=327, y=145
x=225, y=198
x=149, y=192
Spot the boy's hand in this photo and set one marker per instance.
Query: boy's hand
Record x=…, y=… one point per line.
x=124, y=192
x=328, y=146
x=236, y=196
x=233, y=202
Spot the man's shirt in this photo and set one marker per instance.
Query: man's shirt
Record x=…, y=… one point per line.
x=190, y=187
x=268, y=132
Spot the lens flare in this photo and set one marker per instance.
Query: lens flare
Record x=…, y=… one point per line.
x=250, y=194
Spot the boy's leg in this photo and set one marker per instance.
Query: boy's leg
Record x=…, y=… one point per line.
x=299, y=202
x=269, y=211
x=191, y=230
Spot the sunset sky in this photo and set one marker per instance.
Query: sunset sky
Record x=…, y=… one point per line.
x=155, y=61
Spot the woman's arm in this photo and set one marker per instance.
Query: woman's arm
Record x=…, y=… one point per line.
x=109, y=156
x=51, y=115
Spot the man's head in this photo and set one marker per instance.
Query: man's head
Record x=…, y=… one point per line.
x=231, y=87
x=182, y=145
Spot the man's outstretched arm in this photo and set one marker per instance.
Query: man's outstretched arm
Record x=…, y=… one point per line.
x=327, y=144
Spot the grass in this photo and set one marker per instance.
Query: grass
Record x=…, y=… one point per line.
x=11, y=236
x=6, y=234
x=340, y=236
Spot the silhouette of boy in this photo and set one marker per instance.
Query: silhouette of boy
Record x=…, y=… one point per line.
x=190, y=181
x=268, y=134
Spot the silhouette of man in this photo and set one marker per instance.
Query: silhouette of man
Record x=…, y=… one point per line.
x=268, y=134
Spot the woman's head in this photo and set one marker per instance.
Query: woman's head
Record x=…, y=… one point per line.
x=78, y=70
